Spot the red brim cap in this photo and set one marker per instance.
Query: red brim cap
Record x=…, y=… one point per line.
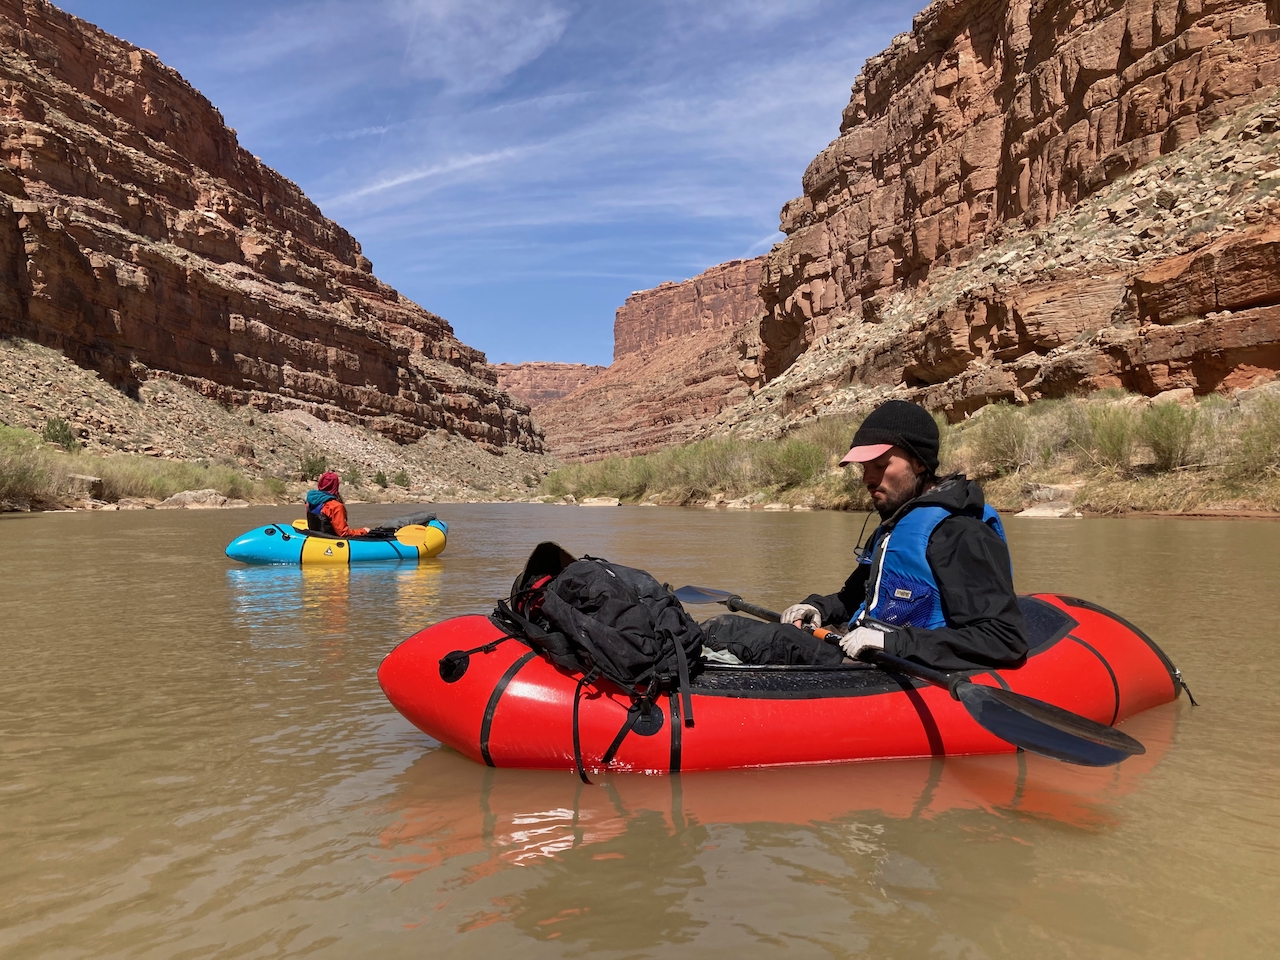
x=866, y=453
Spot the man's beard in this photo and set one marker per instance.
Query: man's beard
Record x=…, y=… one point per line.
x=893, y=503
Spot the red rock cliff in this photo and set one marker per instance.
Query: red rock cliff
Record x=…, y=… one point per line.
x=724, y=298
x=993, y=112
x=681, y=354
x=139, y=238
x=536, y=382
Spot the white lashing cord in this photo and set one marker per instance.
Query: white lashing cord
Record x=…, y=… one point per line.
x=875, y=596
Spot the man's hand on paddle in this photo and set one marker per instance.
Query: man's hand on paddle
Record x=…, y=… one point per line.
x=859, y=639
x=802, y=615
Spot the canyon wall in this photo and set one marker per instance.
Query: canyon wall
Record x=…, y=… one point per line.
x=141, y=240
x=1165, y=279
x=724, y=298
x=990, y=118
x=683, y=354
x=537, y=381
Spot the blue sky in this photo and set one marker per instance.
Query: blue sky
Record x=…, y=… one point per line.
x=520, y=166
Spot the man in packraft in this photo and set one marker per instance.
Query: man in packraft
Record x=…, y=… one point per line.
x=933, y=583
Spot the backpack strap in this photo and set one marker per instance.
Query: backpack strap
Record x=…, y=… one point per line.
x=586, y=678
x=682, y=669
x=552, y=645
x=633, y=714
x=641, y=717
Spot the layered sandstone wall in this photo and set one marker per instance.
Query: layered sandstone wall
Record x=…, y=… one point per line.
x=1165, y=279
x=684, y=353
x=646, y=401
x=140, y=239
x=995, y=112
x=537, y=381
x=724, y=298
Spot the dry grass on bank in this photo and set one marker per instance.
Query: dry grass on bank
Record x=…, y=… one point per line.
x=798, y=468
x=1121, y=453
x=33, y=472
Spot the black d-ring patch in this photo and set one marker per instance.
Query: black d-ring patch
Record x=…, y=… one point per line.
x=647, y=722
x=453, y=666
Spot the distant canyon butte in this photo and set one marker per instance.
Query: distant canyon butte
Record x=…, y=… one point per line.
x=1022, y=201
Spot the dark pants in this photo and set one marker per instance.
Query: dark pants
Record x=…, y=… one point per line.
x=754, y=642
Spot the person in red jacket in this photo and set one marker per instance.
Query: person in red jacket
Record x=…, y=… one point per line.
x=326, y=512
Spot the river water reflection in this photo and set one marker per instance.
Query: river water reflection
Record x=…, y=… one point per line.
x=198, y=762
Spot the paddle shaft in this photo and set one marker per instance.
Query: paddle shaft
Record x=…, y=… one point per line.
x=737, y=603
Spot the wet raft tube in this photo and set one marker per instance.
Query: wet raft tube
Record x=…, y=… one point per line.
x=511, y=708
x=282, y=543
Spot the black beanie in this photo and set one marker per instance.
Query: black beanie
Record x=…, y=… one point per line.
x=904, y=425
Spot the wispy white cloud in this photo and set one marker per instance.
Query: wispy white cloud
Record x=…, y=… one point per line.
x=354, y=134
x=452, y=165
x=507, y=159
x=711, y=15
x=473, y=45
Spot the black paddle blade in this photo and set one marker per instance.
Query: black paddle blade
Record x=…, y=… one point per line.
x=697, y=595
x=1042, y=728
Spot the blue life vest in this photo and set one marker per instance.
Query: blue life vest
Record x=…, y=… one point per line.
x=901, y=588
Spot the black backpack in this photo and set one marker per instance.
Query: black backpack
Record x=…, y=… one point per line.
x=602, y=619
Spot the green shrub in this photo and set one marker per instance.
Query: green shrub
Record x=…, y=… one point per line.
x=24, y=472
x=380, y=478
x=1003, y=439
x=1258, y=450
x=401, y=478
x=352, y=476
x=313, y=464
x=56, y=430
x=130, y=476
x=1112, y=430
x=790, y=463
x=831, y=434
x=1169, y=429
x=949, y=440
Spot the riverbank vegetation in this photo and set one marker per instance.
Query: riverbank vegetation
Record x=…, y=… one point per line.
x=1108, y=453
x=38, y=471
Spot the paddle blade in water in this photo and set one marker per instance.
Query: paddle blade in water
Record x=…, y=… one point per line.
x=1044, y=729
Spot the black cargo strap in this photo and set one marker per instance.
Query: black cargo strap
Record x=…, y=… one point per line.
x=641, y=705
x=454, y=663
x=675, y=732
x=491, y=708
x=489, y=647
x=627, y=726
x=586, y=678
x=682, y=668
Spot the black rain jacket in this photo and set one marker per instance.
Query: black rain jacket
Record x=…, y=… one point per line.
x=971, y=565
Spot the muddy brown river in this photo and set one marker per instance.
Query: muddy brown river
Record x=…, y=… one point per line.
x=196, y=762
